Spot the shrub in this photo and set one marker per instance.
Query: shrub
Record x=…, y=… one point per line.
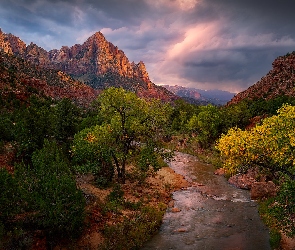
x=59, y=203
x=9, y=197
x=133, y=232
x=12, y=203
x=45, y=193
x=269, y=145
x=283, y=209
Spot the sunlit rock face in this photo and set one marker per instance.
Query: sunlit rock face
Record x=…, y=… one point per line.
x=95, y=56
x=20, y=80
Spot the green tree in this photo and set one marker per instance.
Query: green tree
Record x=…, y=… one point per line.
x=33, y=124
x=42, y=196
x=237, y=115
x=130, y=125
x=182, y=112
x=52, y=193
x=206, y=124
x=66, y=120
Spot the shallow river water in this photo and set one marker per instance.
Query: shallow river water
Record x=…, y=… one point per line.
x=212, y=214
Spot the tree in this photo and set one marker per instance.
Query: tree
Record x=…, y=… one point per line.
x=181, y=114
x=42, y=196
x=206, y=124
x=33, y=124
x=131, y=126
x=237, y=115
x=66, y=120
x=52, y=192
x=269, y=145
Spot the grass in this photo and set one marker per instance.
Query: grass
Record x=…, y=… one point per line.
x=270, y=222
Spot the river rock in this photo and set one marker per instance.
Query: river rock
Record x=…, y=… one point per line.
x=220, y=171
x=261, y=190
x=244, y=181
x=175, y=210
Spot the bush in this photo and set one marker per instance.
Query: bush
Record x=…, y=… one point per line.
x=33, y=125
x=6, y=127
x=283, y=209
x=43, y=197
x=10, y=196
x=132, y=233
x=11, y=199
x=12, y=203
x=59, y=203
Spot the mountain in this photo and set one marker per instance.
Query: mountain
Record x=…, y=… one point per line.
x=280, y=80
x=97, y=63
x=20, y=80
x=203, y=97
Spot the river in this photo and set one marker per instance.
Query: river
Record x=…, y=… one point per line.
x=211, y=214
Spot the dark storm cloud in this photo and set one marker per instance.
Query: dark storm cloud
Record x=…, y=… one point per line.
x=64, y=21
x=126, y=11
x=224, y=44
x=31, y=13
x=234, y=45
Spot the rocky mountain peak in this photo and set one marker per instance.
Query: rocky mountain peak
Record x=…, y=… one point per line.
x=36, y=55
x=140, y=71
x=98, y=37
x=96, y=62
x=11, y=44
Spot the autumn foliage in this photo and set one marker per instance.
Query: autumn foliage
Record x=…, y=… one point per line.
x=269, y=145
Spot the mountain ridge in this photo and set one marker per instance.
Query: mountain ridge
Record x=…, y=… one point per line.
x=96, y=62
x=203, y=97
x=280, y=80
x=20, y=79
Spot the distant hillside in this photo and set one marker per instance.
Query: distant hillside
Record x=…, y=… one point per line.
x=20, y=79
x=96, y=62
x=199, y=96
x=277, y=82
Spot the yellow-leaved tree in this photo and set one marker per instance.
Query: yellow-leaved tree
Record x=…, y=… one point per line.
x=270, y=144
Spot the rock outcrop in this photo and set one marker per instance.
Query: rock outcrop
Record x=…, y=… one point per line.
x=11, y=44
x=95, y=56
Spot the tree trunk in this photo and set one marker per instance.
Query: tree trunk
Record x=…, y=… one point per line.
x=120, y=170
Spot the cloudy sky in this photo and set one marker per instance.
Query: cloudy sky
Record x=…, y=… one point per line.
x=206, y=44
